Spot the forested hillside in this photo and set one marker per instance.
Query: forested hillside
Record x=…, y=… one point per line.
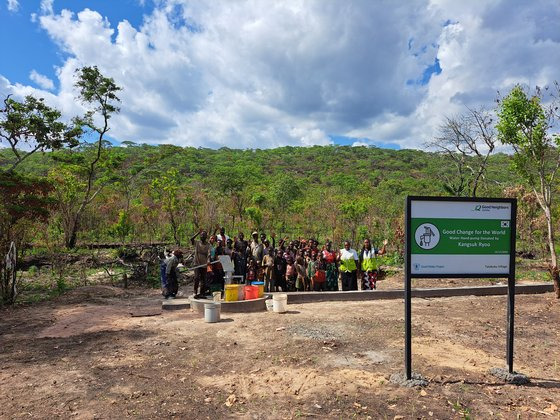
x=165, y=193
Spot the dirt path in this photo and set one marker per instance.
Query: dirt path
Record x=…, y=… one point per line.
x=85, y=356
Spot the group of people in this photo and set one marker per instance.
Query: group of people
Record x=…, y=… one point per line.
x=297, y=265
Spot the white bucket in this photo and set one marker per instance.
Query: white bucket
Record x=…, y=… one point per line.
x=280, y=303
x=212, y=312
x=269, y=304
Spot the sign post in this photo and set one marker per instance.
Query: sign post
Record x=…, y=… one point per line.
x=459, y=238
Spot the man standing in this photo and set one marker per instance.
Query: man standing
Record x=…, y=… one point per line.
x=171, y=274
x=240, y=255
x=201, y=254
x=163, y=259
x=222, y=236
x=257, y=253
x=257, y=249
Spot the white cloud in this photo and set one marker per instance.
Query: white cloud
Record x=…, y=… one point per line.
x=261, y=74
x=13, y=5
x=47, y=7
x=43, y=81
x=360, y=144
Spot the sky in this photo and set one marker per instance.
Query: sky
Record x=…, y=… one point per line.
x=265, y=73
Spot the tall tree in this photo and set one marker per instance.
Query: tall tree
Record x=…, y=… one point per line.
x=27, y=127
x=99, y=94
x=167, y=190
x=283, y=192
x=353, y=212
x=467, y=140
x=525, y=123
x=34, y=126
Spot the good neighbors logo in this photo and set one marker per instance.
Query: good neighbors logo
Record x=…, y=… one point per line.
x=489, y=207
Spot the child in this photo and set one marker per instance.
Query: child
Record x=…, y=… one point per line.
x=268, y=265
x=300, y=270
x=280, y=271
x=320, y=278
x=309, y=272
x=290, y=274
x=251, y=271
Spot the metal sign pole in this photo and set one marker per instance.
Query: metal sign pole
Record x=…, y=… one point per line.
x=511, y=290
x=510, y=323
x=407, y=297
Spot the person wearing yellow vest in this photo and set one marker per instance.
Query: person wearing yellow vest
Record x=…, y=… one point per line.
x=348, y=259
x=369, y=264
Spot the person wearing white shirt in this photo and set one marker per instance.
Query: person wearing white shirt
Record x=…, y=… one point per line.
x=222, y=236
x=348, y=258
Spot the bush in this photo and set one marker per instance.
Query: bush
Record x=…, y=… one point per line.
x=127, y=253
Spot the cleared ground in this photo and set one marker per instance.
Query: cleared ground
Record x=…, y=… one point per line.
x=96, y=353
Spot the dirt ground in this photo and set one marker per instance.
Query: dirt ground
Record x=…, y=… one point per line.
x=102, y=352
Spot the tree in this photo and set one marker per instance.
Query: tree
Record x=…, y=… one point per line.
x=25, y=200
x=166, y=189
x=255, y=215
x=283, y=193
x=525, y=124
x=467, y=140
x=99, y=93
x=232, y=181
x=35, y=126
x=353, y=212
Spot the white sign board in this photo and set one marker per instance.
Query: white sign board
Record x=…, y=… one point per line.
x=460, y=236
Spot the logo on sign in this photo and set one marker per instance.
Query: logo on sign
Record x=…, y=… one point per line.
x=505, y=223
x=427, y=236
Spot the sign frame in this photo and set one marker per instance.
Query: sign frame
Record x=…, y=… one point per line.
x=409, y=235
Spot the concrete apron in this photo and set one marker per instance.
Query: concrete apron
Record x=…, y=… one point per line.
x=238, y=306
x=258, y=305
x=359, y=295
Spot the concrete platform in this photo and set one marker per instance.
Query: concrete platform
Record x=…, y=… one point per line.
x=254, y=305
x=360, y=295
x=175, y=304
x=259, y=305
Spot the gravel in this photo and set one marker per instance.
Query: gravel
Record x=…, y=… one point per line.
x=511, y=378
x=400, y=379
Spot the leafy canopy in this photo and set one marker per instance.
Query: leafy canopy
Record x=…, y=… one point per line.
x=36, y=126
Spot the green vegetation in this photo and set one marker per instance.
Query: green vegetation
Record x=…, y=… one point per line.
x=334, y=191
x=528, y=126
x=80, y=189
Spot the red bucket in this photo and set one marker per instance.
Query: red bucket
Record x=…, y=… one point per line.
x=251, y=292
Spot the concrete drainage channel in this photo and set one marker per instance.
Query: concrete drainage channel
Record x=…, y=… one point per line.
x=258, y=305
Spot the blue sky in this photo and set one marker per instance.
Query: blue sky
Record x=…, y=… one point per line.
x=262, y=73
x=18, y=34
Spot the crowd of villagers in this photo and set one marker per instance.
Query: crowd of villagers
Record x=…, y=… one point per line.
x=297, y=265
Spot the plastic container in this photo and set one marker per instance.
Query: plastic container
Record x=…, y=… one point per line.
x=212, y=312
x=280, y=303
x=240, y=292
x=231, y=292
x=260, y=285
x=251, y=292
x=269, y=304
